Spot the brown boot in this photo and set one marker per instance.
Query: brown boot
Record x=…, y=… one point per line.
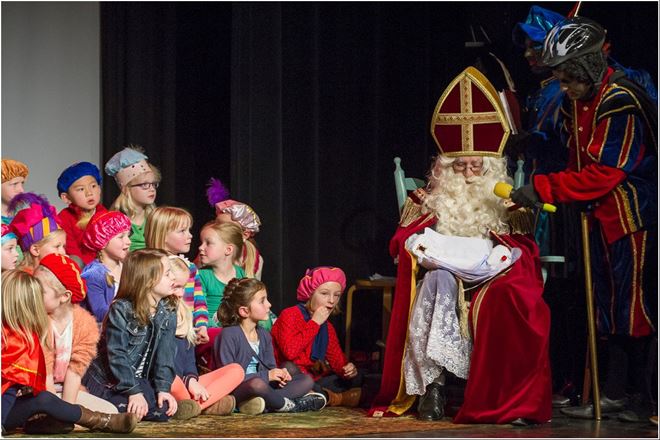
x=351, y=398
x=186, y=409
x=222, y=407
x=334, y=399
x=98, y=421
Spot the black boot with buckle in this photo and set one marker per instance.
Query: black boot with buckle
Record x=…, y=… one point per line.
x=431, y=405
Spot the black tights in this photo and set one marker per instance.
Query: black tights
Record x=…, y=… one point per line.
x=299, y=385
x=15, y=415
x=332, y=382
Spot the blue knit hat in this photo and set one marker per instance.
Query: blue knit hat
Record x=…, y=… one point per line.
x=536, y=26
x=75, y=172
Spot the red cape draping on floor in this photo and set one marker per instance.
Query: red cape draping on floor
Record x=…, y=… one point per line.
x=510, y=365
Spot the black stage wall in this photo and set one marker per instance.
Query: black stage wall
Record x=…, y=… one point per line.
x=300, y=108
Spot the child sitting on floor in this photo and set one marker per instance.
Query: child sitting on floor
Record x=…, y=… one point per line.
x=79, y=186
x=24, y=331
x=306, y=341
x=73, y=332
x=242, y=341
x=37, y=228
x=206, y=394
x=231, y=211
x=138, y=181
x=107, y=236
x=14, y=175
x=9, y=252
x=134, y=368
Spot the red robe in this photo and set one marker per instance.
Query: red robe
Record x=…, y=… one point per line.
x=20, y=365
x=396, y=335
x=510, y=365
x=510, y=373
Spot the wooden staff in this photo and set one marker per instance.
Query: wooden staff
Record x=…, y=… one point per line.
x=591, y=319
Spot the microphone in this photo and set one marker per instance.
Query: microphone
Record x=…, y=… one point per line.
x=503, y=190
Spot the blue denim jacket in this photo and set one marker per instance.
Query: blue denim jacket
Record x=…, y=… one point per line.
x=123, y=343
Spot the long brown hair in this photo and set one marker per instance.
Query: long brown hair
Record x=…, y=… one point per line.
x=238, y=293
x=141, y=271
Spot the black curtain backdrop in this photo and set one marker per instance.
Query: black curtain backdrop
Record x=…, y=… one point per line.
x=300, y=108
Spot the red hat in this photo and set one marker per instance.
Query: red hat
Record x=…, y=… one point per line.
x=469, y=119
x=315, y=277
x=103, y=227
x=66, y=270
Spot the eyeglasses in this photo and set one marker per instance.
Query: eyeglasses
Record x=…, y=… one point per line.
x=462, y=166
x=146, y=185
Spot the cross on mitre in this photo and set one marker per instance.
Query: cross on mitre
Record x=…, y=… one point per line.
x=469, y=119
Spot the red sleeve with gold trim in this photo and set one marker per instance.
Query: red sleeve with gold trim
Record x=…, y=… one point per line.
x=616, y=149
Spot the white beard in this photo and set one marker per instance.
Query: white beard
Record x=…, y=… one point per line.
x=467, y=209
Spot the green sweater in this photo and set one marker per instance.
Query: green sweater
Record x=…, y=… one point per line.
x=215, y=290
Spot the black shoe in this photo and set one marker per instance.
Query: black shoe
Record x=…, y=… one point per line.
x=311, y=401
x=559, y=401
x=610, y=405
x=432, y=404
x=587, y=411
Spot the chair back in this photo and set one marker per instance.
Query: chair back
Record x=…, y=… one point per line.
x=403, y=184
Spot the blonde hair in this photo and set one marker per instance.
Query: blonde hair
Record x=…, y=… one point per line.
x=238, y=293
x=250, y=257
x=23, y=309
x=29, y=260
x=161, y=221
x=140, y=273
x=230, y=233
x=124, y=201
x=184, y=318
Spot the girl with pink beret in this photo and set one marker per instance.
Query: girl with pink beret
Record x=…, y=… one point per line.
x=107, y=235
x=305, y=341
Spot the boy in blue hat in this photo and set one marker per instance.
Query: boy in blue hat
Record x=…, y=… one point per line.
x=79, y=186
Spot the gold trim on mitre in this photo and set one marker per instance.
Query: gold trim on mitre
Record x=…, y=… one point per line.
x=467, y=118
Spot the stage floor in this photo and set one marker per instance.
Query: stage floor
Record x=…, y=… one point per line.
x=353, y=423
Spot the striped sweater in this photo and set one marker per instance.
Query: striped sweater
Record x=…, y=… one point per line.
x=195, y=298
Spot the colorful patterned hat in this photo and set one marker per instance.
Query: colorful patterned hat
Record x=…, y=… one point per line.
x=34, y=222
x=103, y=227
x=469, y=119
x=127, y=164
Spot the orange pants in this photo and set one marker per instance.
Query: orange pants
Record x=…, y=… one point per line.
x=218, y=383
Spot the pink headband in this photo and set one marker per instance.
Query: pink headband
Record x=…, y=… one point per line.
x=315, y=277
